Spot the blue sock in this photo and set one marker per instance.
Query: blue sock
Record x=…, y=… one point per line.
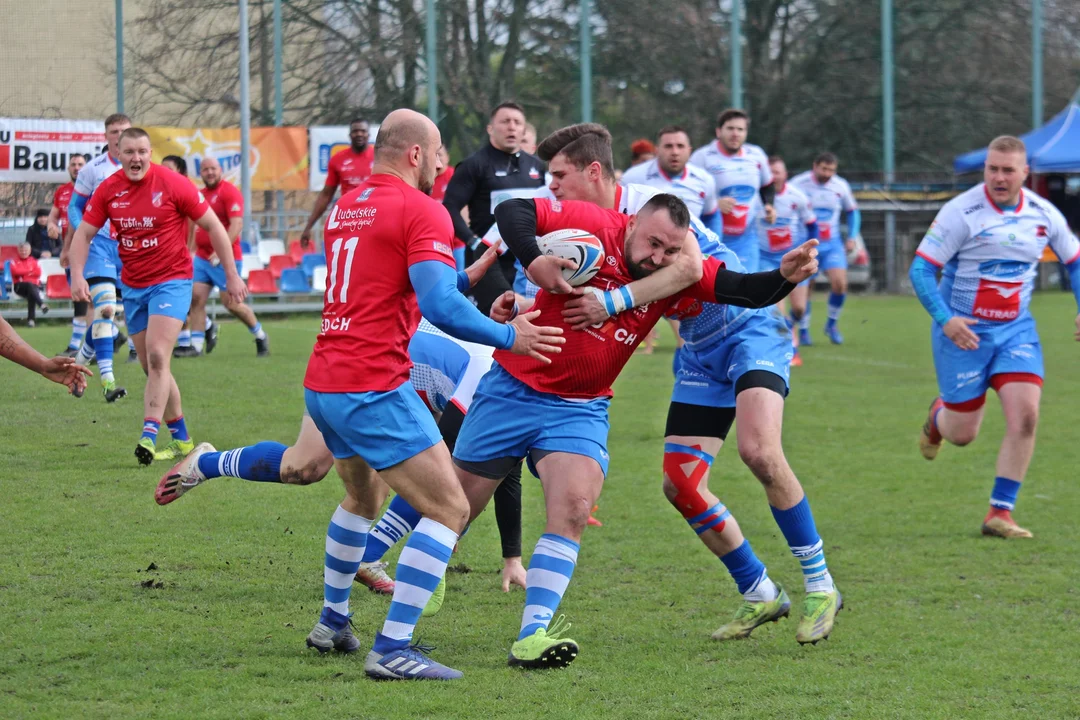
x=836, y=304
x=550, y=569
x=78, y=332
x=1004, y=494
x=178, y=429
x=748, y=572
x=398, y=521
x=804, y=324
x=420, y=568
x=257, y=331
x=102, y=338
x=260, y=462
x=198, y=340
x=797, y=525
x=345, y=540
x=86, y=351
x=150, y=428
x=183, y=339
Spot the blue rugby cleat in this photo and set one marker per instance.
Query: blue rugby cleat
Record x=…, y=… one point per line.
x=804, y=338
x=833, y=333
x=408, y=663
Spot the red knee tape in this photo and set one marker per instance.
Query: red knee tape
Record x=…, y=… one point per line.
x=685, y=467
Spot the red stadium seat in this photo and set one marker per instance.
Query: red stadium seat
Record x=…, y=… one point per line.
x=57, y=288
x=8, y=252
x=261, y=282
x=297, y=253
x=279, y=263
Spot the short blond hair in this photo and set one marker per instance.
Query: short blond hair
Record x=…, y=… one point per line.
x=1008, y=144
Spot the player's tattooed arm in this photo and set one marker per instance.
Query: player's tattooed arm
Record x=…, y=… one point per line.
x=593, y=305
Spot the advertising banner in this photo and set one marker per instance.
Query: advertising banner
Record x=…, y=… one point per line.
x=35, y=150
x=278, y=155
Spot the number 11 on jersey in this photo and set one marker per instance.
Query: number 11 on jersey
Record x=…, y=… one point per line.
x=335, y=249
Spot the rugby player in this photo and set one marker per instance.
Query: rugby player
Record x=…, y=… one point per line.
x=148, y=207
x=58, y=228
x=347, y=168
x=830, y=195
x=102, y=270
x=751, y=349
x=795, y=222
x=987, y=243
x=555, y=415
x=358, y=394
x=741, y=173
x=227, y=203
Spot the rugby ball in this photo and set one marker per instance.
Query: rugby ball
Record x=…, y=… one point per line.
x=582, y=247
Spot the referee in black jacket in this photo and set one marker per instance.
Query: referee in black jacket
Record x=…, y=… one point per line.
x=498, y=171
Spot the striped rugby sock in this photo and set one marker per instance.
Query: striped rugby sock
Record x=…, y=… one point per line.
x=550, y=569
x=345, y=540
x=398, y=521
x=420, y=567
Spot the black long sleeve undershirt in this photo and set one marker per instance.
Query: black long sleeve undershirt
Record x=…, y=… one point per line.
x=517, y=225
x=752, y=290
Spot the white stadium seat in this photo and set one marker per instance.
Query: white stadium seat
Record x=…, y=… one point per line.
x=318, y=279
x=268, y=248
x=249, y=262
x=50, y=266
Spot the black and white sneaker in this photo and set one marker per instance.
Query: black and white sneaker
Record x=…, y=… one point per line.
x=262, y=347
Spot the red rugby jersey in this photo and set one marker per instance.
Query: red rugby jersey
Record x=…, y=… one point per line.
x=372, y=236
x=591, y=359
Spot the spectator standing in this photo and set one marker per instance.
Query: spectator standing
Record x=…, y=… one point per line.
x=41, y=244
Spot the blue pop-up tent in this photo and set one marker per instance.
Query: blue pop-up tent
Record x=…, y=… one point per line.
x=1055, y=147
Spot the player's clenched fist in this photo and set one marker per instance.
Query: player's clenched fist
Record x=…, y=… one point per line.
x=535, y=340
x=801, y=263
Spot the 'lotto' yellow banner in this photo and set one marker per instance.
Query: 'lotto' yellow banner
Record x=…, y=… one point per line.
x=279, y=156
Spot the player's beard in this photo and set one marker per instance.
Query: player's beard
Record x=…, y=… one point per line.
x=636, y=270
x=426, y=182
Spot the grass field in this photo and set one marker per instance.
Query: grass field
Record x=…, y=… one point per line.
x=940, y=622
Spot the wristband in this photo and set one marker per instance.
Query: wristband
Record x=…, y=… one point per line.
x=615, y=301
x=514, y=312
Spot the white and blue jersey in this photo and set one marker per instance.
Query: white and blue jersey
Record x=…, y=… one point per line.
x=103, y=260
x=721, y=342
x=989, y=258
x=739, y=177
x=793, y=216
x=446, y=370
x=693, y=186
x=830, y=200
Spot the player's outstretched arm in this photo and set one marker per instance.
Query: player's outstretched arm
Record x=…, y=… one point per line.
x=62, y=370
x=758, y=290
x=593, y=305
x=219, y=239
x=436, y=286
